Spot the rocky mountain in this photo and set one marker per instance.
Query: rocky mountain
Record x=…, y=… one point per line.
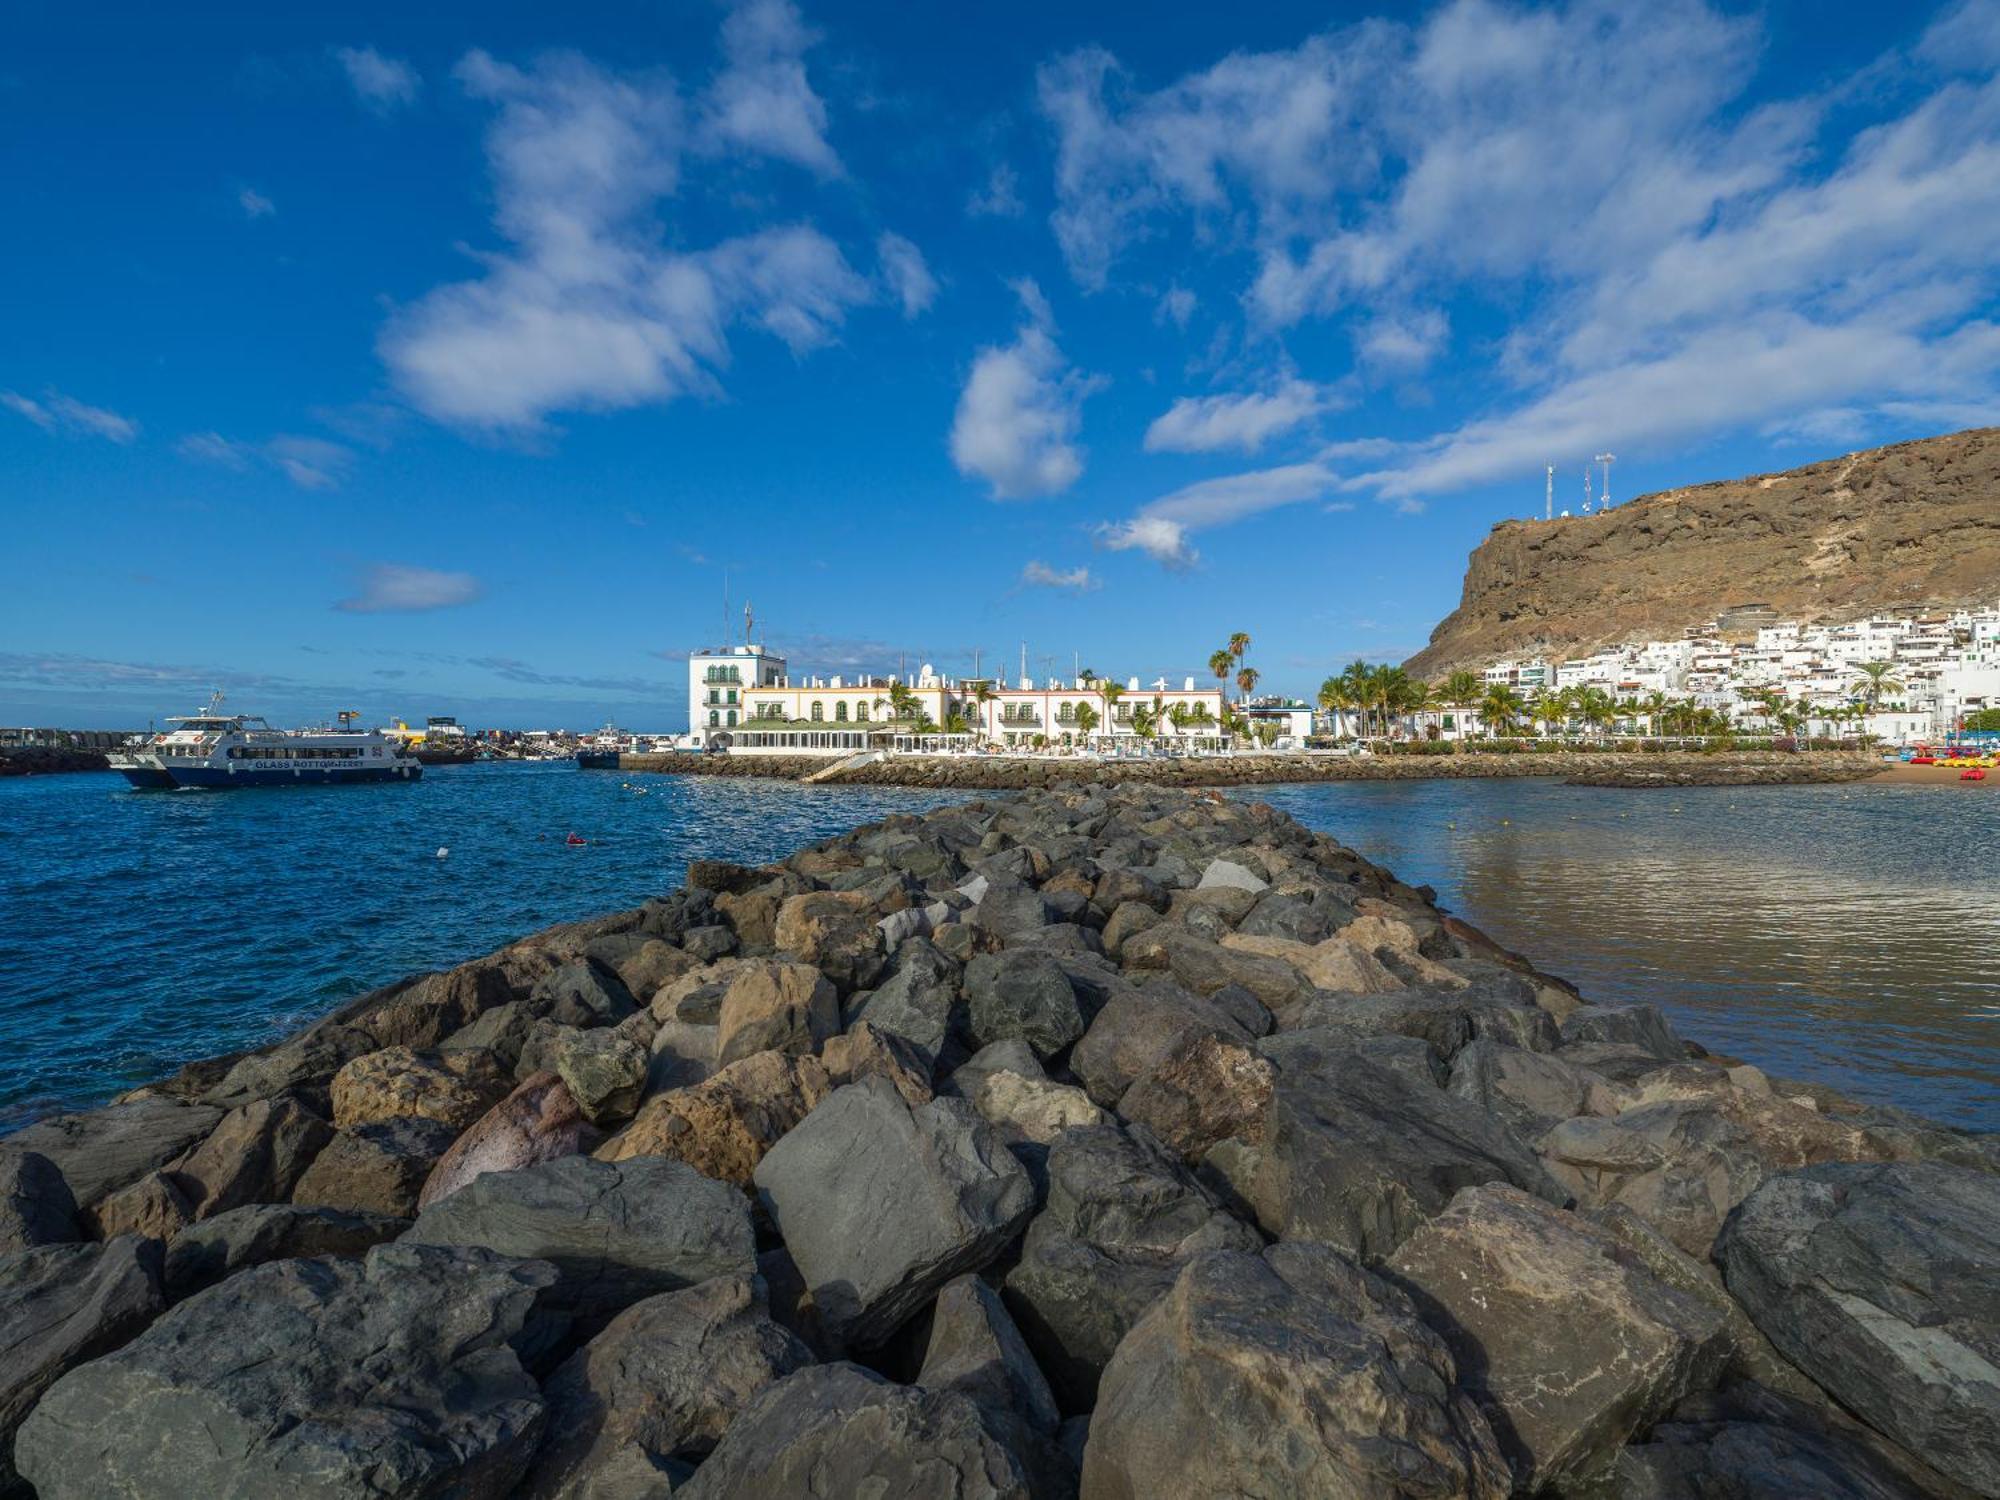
x=1906, y=526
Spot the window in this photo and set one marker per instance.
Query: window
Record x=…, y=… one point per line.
x=713, y=718
x=1066, y=714
x=861, y=712
x=732, y=718
x=818, y=711
x=840, y=712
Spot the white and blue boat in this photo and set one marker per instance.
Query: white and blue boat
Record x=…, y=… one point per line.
x=215, y=749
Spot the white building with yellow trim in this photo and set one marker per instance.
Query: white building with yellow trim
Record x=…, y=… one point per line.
x=742, y=696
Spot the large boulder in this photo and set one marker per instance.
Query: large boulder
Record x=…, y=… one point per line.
x=255, y=1154
x=102, y=1150
x=604, y=1070
x=657, y=1389
x=841, y=1430
x=36, y=1206
x=614, y=1232
x=881, y=1203
x=204, y=1253
x=582, y=993
x=1882, y=1283
x=723, y=1126
x=155, y=1206
x=455, y=1087
x=1639, y=1026
x=1024, y=993
x=771, y=1006
x=1138, y=1028
x=378, y=1168
x=1568, y=1341
x=60, y=1306
x=864, y=1050
x=918, y=1000
x=1530, y=1092
x=1357, y=1154
x=1205, y=1090
x=976, y=1350
x=391, y=1375
x=537, y=1122
x=1121, y=1219
x=1032, y=1108
x=1291, y=1372
x=835, y=932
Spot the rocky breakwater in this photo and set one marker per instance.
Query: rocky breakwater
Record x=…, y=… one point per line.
x=1114, y=1142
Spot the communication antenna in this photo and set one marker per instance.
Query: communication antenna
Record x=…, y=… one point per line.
x=1586, y=489
x=749, y=621
x=1607, y=459
x=1549, y=496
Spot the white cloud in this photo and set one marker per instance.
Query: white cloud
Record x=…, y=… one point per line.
x=1161, y=527
x=1160, y=539
x=907, y=276
x=214, y=448
x=1203, y=424
x=1175, y=307
x=310, y=463
x=1402, y=344
x=1020, y=411
x=255, y=205
x=589, y=310
x=762, y=100
x=56, y=412
x=383, y=84
x=1039, y=575
x=393, y=587
x=1000, y=198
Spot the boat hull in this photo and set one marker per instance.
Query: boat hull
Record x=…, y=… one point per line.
x=147, y=777
x=597, y=760
x=215, y=778
x=459, y=757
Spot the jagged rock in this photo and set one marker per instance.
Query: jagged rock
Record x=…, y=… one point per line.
x=1883, y=1284
x=455, y=1087
x=695, y=996
x=1639, y=1026
x=390, y=1375
x=657, y=1389
x=378, y=1168
x=775, y=1006
x=503, y=1031
x=204, y=1253
x=650, y=962
x=1120, y=886
x=615, y=1232
x=752, y=915
x=1120, y=1220
x=153, y=1206
x=1125, y=923
x=1137, y=1030
x=1308, y=917
x=604, y=1072
x=707, y=944
x=1568, y=1342
x=881, y=1203
x=835, y=933
x=919, y=999
x=1022, y=993
x=976, y=1350
x=863, y=1051
x=1204, y=966
x=1010, y=1056
x=1229, y=875
x=255, y=1154
x=36, y=1207
x=101, y=1150
x=841, y=1430
x=722, y=1127
x=683, y=1054
x=1683, y=1164
x=582, y=993
x=1291, y=1372
x=721, y=876
x=1008, y=906
x=1441, y=1020
x=60, y=1306
x=1358, y=1155
x=1530, y=1092
x=1204, y=1091
x=1026, y=1108
x=538, y=1122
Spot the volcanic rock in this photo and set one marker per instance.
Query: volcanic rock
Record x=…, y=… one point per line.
x=378, y=1168
x=722, y=1127
x=538, y=1122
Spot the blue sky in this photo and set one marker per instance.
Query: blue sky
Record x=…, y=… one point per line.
x=442, y=358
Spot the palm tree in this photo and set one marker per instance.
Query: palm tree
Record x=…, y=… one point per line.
x=1246, y=681
x=1239, y=643
x=1222, y=664
x=985, y=694
x=1652, y=706
x=1335, y=699
x=1501, y=708
x=902, y=702
x=1875, y=681
x=1146, y=719
x=1110, y=692
x=1459, y=692
x=1086, y=720
x=1551, y=712
x=1360, y=680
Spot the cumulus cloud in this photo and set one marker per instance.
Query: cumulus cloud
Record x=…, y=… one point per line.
x=762, y=100
x=382, y=84
x=254, y=204
x=1162, y=527
x=1162, y=540
x=1039, y=575
x=1020, y=411
x=908, y=278
x=56, y=412
x=1203, y=424
x=396, y=588
x=588, y=309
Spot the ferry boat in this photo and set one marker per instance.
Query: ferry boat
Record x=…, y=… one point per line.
x=215, y=749
x=601, y=751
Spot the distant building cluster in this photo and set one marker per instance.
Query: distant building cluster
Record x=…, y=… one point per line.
x=1936, y=667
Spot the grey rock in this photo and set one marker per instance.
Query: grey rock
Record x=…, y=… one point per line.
x=1882, y=1282
x=976, y=1350
x=377, y=1168
x=391, y=1375
x=615, y=1232
x=1009, y=906
x=709, y=943
x=1528, y=1091
x=657, y=1389
x=256, y=1154
x=1228, y=875
x=1010, y=1056
x=1137, y=1030
x=840, y=1430
x=900, y=926
x=772, y=1005
x=503, y=1031
x=1281, y=914
x=919, y=999
x=63, y=1305
x=538, y=1122
x=582, y=993
x=204, y=1253
x=1290, y=1372
x=1570, y=1344
x=1122, y=1217
x=102, y=1150
x=1639, y=1026
x=683, y=1054
x=1441, y=1020
x=604, y=1072
x=881, y=1203
x=1024, y=994
x=35, y=1203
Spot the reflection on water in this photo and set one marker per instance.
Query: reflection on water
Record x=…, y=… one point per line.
x=1849, y=934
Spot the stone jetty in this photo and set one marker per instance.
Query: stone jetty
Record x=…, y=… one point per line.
x=1114, y=1142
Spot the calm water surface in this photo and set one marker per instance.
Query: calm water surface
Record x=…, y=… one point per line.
x=1849, y=934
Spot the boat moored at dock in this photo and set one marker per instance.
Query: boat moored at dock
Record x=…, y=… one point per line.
x=216, y=749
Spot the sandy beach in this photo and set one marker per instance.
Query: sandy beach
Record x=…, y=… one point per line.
x=1902, y=775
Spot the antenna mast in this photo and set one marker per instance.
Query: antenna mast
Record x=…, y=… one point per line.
x=1607, y=459
x=1586, y=489
x=1549, y=496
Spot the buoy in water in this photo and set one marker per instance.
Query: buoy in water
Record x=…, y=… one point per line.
x=443, y=851
x=573, y=839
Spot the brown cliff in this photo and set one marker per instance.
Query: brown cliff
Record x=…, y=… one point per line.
x=1912, y=525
